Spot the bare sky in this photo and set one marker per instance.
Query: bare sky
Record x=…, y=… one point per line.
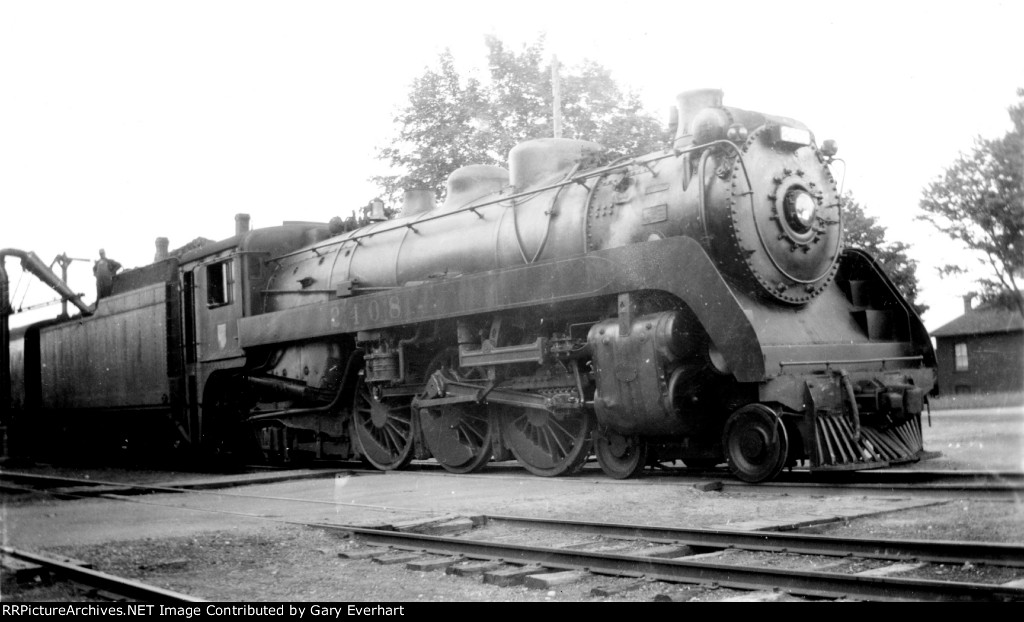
x=122, y=121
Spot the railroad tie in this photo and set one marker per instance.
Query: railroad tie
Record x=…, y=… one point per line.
x=402, y=557
x=422, y=525
x=711, y=554
x=678, y=596
x=363, y=553
x=472, y=568
x=611, y=590
x=433, y=563
x=552, y=579
x=511, y=576
x=667, y=551
x=22, y=571
x=885, y=571
x=761, y=596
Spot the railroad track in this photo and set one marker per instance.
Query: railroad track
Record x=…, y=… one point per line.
x=506, y=551
x=22, y=565
x=76, y=487
x=786, y=563
x=979, y=485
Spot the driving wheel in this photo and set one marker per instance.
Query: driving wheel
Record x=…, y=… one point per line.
x=459, y=436
x=547, y=444
x=382, y=428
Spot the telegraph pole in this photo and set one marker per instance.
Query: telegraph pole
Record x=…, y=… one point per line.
x=556, y=90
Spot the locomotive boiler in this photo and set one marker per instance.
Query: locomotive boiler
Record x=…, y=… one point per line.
x=694, y=304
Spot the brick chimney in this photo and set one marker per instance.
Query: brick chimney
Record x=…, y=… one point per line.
x=968, y=298
x=161, y=249
x=241, y=224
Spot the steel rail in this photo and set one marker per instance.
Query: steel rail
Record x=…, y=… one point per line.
x=903, y=476
x=118, y=585
x=57, y=485
x=991, y=492
x=908, y=481
x=939, y=551
x=980, y=485
x=818, y=584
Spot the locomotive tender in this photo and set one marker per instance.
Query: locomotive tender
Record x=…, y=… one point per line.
x=695, y=303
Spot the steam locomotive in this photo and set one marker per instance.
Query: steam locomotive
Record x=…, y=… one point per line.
x=693, y=304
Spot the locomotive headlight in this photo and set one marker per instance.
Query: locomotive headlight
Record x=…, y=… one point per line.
x=799, y=208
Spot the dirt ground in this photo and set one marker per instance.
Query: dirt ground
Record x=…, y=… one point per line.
x=236, y=544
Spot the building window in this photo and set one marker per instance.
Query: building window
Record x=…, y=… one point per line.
x=218, y=283
x=960, y=350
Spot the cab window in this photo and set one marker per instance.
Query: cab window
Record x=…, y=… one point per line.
x=218, y=283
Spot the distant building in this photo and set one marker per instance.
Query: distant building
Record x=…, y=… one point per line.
x=982, y=351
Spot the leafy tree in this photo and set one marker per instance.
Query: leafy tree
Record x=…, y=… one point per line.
x=438, y=129
x=863, y=231
x=979, y=200
x=452, y=120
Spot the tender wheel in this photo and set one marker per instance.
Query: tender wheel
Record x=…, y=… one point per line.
x=756, y=444
x=459, y=436
x=545, y=444
x=382, y=429
x=621, y=457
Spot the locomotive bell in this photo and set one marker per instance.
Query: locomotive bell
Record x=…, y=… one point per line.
x=375, y=210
